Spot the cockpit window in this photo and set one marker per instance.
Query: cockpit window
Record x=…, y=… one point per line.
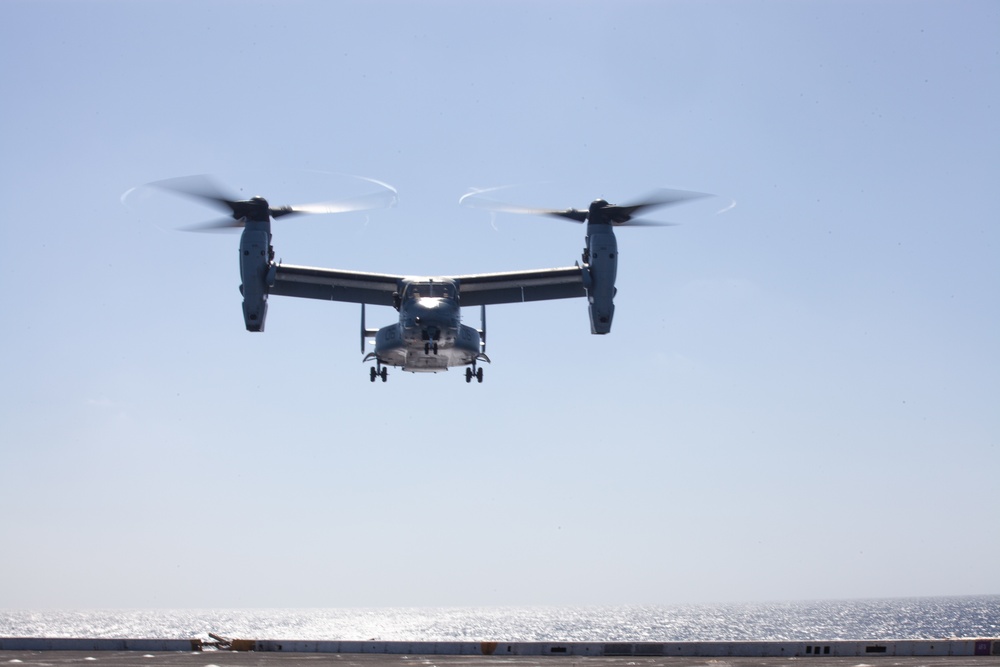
x=432, y=289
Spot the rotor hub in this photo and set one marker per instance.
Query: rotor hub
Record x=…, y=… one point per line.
x=255, y=208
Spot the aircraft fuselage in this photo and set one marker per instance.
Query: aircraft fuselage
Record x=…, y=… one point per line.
x=429, y=336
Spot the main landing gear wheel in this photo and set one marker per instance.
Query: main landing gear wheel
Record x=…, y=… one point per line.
x=379, y=373
x=478, y=374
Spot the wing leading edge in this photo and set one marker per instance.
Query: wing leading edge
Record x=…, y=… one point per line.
x=474, y=290
x=519, y=286
x=333, y=285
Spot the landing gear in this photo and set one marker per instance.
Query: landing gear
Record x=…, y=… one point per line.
x=431, y=336
x=477, y=373
x=378, y=372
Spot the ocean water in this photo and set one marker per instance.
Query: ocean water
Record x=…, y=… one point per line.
x=904, y=618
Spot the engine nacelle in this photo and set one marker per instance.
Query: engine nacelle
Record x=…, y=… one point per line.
x=255, y=261
x=601, y=315
x=602, y=257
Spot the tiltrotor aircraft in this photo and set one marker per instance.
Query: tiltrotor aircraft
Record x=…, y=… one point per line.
x=429, y=335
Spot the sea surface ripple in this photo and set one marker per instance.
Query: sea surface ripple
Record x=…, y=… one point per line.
x=903, y=618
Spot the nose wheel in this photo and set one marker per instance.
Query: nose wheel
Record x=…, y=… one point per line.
x=477, y=373
x=378, y=371
x=431, y=336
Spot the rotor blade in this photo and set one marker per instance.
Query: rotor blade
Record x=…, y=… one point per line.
x=367, y=202
x=642, y=222
x=475, y=200
x=220, y=225
x=658, y=199
x=204, y=189
x=199, y=187
x=570, y=214
x=619, y=214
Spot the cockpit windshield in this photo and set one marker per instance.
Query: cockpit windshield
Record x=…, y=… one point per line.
x=423, y=290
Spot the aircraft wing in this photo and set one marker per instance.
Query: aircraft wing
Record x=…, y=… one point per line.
x=335, y=285
x=519, y=286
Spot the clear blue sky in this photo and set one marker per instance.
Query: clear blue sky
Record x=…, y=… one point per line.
x=799, y=398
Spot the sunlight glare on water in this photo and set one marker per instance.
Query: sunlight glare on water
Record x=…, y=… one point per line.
x=909, y=618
